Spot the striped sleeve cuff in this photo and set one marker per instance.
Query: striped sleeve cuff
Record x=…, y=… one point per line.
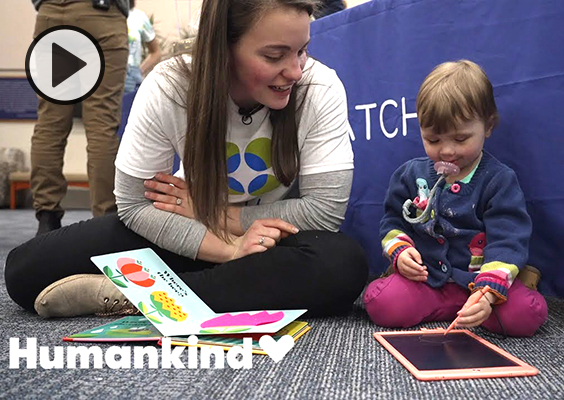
x=498, y=276
x=394, y=243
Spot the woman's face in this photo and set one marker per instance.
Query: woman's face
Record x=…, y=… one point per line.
x=268, y=60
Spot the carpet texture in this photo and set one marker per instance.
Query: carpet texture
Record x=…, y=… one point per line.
x=337, y=359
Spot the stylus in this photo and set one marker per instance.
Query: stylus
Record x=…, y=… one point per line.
x=483, y=291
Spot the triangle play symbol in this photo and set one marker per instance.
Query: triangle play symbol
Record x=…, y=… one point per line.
x=64, y=64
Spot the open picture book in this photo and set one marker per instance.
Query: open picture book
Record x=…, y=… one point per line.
x=172, y=307
x=137, y=328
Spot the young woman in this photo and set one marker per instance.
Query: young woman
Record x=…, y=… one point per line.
x=268, y=169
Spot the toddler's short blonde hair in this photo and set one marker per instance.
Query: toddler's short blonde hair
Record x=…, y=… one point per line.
x=455, y=92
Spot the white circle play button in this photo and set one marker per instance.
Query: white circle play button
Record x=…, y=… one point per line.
x=64, y=64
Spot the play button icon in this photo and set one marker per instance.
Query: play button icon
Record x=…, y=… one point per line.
x=64, y=64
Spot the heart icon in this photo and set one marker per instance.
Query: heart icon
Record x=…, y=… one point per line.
x=276, y=349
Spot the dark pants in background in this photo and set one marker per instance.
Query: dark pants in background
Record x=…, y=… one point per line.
x=100, y=112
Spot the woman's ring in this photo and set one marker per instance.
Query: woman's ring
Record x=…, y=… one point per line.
x=178, y=201
x=261, y=241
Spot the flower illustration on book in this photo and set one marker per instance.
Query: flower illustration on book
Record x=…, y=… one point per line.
x=164, y=306
x=130, y=270
x=234, y=323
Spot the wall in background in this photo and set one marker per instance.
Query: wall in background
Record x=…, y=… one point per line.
x=17, y=19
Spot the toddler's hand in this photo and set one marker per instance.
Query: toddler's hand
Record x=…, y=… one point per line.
x=409, y=264
x=478, y=313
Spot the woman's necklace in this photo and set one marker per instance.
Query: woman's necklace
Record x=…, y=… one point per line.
x=247, y=115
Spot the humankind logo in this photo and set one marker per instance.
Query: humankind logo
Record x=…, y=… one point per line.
x=121, y=357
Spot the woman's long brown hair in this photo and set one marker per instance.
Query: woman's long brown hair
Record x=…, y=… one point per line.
x=222, y=24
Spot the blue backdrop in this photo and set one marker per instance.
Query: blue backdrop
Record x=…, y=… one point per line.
x=383, y=49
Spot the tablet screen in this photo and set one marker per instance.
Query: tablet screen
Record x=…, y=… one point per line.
x=456, y=350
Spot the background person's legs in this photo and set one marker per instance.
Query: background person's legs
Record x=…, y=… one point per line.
x=101, y=115
x=101, y=112
x=133, y=79
x=54, y=123
x=48, y=185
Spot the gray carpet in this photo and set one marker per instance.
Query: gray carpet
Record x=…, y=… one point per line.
x=337, y=359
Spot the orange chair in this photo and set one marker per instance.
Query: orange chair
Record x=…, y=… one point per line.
x=20, y=181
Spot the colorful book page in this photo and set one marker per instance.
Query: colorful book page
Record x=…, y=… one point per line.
x=172, y=307
x=128, y=329
x=295, y=329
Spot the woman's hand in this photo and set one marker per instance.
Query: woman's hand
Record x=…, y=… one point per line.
x=410, y=265
x=478, y=313
x=262, y=235
x=169, y=193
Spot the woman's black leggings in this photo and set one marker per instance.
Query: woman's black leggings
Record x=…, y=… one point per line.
x=321, y=271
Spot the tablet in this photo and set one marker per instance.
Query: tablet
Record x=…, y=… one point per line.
x=460, y=354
